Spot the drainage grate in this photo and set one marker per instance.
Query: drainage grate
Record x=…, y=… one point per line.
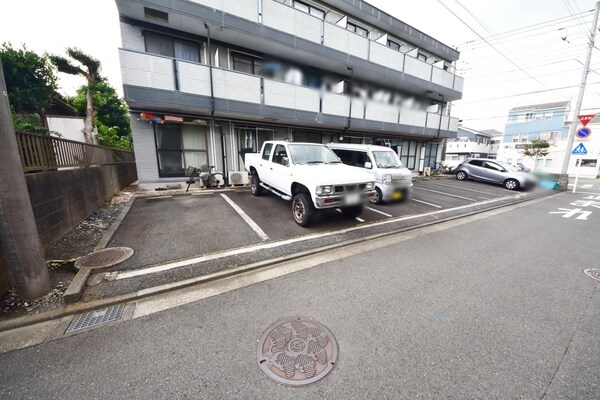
x=104, y=258
x=593, y=273
x=297, y=352
x=96, y=317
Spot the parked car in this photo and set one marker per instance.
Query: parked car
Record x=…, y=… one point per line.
x=311, y=176
x=493, y=171
x=392, y=180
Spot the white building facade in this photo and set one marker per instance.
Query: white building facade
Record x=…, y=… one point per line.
x=208, y=81
x=548, y=122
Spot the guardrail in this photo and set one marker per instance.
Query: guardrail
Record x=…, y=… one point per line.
x=47, y=153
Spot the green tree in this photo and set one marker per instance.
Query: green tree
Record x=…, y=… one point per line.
x=112, y=114
x=536, y=149
x=89, y=68
x=30, y=79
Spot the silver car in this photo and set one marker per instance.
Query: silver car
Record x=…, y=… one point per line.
x=493, y=171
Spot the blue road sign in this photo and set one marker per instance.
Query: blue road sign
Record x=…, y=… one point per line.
x=584, y=133
x=579, y=150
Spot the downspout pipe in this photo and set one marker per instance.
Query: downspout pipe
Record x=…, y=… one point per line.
x=212, y=108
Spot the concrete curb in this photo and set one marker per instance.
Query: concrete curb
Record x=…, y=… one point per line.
x=102, y=303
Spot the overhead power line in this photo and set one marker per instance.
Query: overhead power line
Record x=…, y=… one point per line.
x=527, y=93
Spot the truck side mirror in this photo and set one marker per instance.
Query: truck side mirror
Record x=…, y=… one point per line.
x=285, y=161
x=368, y=165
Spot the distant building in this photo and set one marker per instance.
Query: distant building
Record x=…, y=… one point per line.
x=549, y=122
x=495, y=141
x=469, y=143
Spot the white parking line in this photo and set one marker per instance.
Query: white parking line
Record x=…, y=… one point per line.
x=264, y=246
x=463, y=188
x=379, y=212
x=246, y=218
x=360, y=219
x=424, y=202
x=444, y=193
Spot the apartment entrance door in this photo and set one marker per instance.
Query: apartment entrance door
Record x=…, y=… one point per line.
x=250, y=140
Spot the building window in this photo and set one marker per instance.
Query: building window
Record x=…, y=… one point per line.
x=179, y=147
x=422, y=57
x=251, y=140
x=172, y=47
x=308, y=137
x=309, y=9
x=592, y=163
x=524, y=137
x=393, y=45
x=516, y=138
x=528, y=116
x=245, y=63
x=408, y=154
x=548, y=163
x=357, y=29
x=431, y=150
x=548, y=115
x=151, y=13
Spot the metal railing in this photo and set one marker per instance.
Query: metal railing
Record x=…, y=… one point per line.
x=47, y=153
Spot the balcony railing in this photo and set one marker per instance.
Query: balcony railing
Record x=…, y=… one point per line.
x=47, y=153
x=287, y=19
x=147, y=70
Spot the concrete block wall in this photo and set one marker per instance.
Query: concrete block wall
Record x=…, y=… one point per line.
x=62, y=199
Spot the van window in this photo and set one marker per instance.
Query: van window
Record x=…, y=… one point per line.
x=362, y=158
x=347, y=156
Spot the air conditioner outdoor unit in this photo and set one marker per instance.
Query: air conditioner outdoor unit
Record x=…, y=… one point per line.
x=238, y=178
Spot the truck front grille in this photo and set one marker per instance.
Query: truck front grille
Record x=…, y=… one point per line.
x=349, y=188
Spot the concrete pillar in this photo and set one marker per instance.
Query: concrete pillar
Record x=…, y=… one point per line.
x=19, y=239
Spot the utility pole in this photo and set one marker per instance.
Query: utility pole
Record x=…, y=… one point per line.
x=577, y=110
x=19, y=239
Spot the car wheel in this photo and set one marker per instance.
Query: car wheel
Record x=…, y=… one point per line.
x=511, y=184
x=352, y=212
x=303, y=210
x=255, y=187
x=461, y=175
x=377, y=197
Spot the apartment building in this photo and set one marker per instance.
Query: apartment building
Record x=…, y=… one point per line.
x=208, y=81
x=469, y=143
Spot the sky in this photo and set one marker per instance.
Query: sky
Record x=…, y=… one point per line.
x=533, y=51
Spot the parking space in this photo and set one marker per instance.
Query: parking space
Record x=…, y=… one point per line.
x=172, y=228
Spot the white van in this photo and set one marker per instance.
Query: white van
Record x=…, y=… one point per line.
x=392, y=180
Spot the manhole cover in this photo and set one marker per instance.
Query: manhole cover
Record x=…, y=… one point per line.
x=297, y=352
x=96, y=317
x=104, y=258
x=593, y=273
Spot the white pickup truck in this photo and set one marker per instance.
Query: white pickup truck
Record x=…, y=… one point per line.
x=310, y=175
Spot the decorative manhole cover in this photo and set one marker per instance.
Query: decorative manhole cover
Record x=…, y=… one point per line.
x=104, y=258
x=593, y=273
x=297, y=352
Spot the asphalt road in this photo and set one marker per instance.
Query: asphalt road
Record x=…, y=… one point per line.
x=497, y=308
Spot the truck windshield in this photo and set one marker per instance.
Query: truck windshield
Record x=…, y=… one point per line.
x=386, y=159
x=311, y=154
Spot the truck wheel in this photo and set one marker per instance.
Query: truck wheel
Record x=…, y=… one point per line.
x=303, y=210
x=352, y=212
x=255, y=187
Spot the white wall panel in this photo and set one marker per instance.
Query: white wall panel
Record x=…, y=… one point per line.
x=194, y=78
x=433, y=120
x=247, y=9
x=146, y=70
x=417, y=68
x=459, y=83
x=292, y=21
x=236, y=86
x=346, y=41
x=336, y=104
x=443, y=78
x=382, y=112
x=385, y=56
x=412, y=117
x=285, y=95
x=453, y=125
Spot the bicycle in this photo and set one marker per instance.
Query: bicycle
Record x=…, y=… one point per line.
x=439, y=169
x=208, y=176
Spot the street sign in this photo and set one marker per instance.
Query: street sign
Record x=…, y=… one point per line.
x=579, y=150
x=586, y=118
x=584, y=133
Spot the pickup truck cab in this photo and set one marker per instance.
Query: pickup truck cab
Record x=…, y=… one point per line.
x=392, y=180
x=311, y=176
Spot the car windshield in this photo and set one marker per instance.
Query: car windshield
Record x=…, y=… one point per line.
x=386, y=159
x=312, y=154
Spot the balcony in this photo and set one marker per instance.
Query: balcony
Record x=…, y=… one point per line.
x=467, y=147
x=151, y=81
x=278, y=29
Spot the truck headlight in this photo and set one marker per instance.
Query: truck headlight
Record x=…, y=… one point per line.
x=324, y=189
x=387, y=178
x=370, y=185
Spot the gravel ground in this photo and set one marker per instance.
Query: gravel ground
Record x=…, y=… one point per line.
x=60, y=258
